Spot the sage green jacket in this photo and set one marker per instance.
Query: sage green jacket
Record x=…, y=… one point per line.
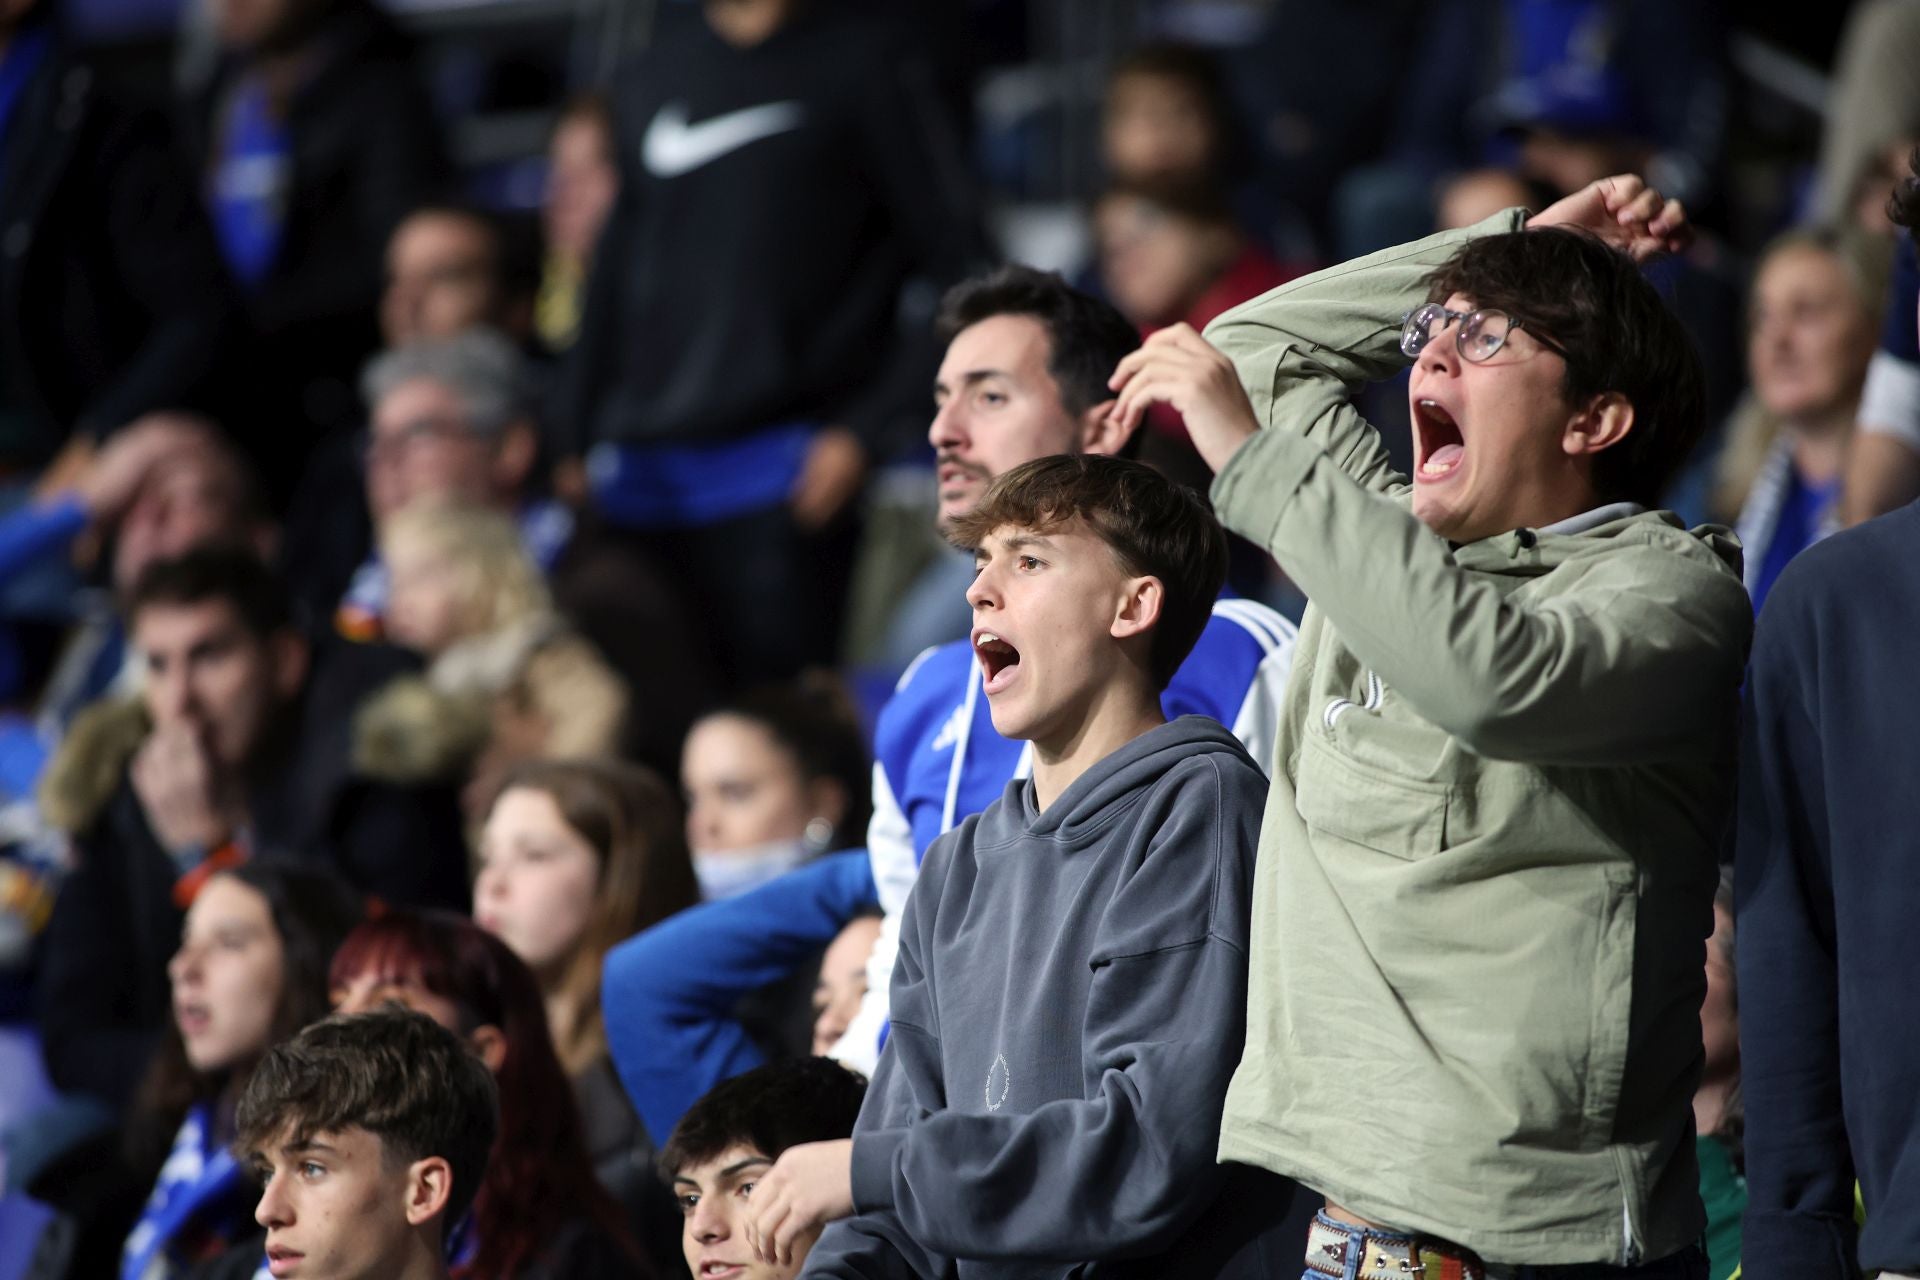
x=1487, y=865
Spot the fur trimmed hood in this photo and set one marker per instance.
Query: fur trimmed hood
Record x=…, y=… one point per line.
x=90, y=762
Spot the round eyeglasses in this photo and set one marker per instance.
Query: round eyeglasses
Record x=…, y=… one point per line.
x=1480, y=333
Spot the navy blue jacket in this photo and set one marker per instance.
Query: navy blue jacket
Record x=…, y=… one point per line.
x=1828, y=901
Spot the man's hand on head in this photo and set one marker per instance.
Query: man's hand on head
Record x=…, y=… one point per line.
x=120, y=468
x=1179, y=368
x=809, y=1186
x=175, y=780
x=1624, y=212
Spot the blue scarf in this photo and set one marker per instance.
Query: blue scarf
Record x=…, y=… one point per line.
x=249, y=186
x=199, y=1191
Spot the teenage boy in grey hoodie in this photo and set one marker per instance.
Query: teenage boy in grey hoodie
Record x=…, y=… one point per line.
x=1069, y=995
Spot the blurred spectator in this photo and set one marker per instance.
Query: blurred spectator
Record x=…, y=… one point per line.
x=1872, y=114
x=1883, y=469
x=1478, y=194
x=199, y=494
x=732, y=1136
x=448, y=271
x=1718, y=1118
x=1172, y=254
x=540, y=1214
x=508, y=680
x=1563, y=91
x=314, y=138
x=582, y=179
x=236, y=747
x=683, y=994
x=250, y=970
x=577, y=856
x=452, y=423
x=1816, y=298
x=772, y=778
x=786, y=169
x=99, y=494
x=1168, y=120
x=1169, y=124
x=113, y=301
x=841, y=987
x=138, y=465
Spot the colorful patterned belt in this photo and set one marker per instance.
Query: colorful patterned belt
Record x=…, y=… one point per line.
x=1343, y=1251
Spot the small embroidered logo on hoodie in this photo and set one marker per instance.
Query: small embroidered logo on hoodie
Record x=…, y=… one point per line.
x=998, y=1082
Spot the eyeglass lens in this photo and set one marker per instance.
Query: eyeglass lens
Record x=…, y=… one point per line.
x=1480, y=335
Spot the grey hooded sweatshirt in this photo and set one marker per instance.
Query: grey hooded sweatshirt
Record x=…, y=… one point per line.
x=1068, y=1005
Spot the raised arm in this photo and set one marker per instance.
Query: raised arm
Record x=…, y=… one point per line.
x=669, y=993
x=1626, y=670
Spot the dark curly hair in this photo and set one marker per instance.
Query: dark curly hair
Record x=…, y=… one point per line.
x=770, y=1108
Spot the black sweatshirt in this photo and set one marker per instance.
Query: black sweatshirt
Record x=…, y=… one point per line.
x=773, y=202
x=1827, y=869
x=1068, y=1004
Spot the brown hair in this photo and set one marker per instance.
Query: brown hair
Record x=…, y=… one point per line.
x=814, y=718
x=1619, y=336
x=397, y=1074
x=1154, y=526
x=630, y=819
x=312, y=911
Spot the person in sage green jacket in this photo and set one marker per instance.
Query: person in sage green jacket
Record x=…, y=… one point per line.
x=1488, y=859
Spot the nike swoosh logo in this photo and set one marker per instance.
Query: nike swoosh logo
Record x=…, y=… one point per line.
x=673, y=147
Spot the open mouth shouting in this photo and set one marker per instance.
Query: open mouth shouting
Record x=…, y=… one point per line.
x=1438, y=446
x=999, y=660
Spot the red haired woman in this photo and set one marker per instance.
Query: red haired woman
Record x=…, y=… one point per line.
x=540, y=1213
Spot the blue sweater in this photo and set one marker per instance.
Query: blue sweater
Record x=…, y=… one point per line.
x=1828, y=895
x=668, y=994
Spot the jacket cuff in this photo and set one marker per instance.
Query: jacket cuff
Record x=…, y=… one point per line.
x=873, y=1155
x=1251, y=493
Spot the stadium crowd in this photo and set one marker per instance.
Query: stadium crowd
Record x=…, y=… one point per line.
x=766, y=719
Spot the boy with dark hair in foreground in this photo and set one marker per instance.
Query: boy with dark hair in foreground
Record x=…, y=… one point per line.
x=1070, y=992
x=727, y=1141
x=370, y=1135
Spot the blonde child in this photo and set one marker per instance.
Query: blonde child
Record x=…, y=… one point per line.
x=508, y=679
